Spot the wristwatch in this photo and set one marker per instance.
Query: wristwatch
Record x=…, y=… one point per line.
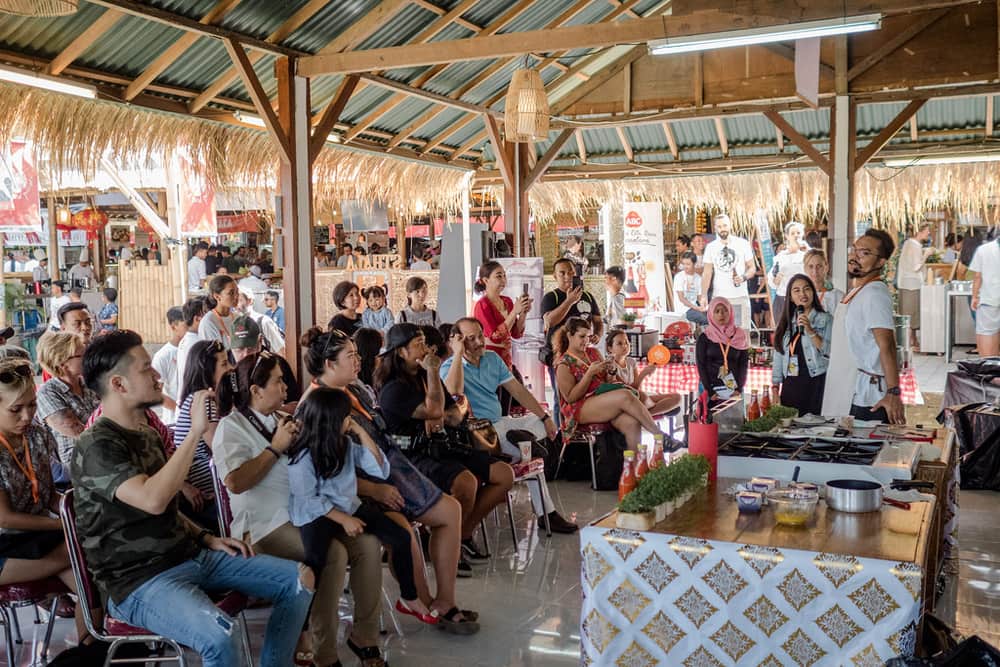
x=894, y=391
x=545, y=416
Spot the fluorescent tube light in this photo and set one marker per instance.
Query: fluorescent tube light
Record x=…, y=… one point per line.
x=941, y=159
x=777, y=33
x=27, y=78
x=249, y=119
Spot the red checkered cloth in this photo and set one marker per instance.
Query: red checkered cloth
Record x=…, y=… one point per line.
x=683, y=379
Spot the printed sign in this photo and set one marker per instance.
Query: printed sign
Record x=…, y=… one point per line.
x=645, y=276
x=19, y=208
x=195, y=197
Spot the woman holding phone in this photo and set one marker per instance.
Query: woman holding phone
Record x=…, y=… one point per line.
x=502, y=318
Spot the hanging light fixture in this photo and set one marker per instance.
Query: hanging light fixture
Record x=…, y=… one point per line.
x=39, y=7
x=526, y=110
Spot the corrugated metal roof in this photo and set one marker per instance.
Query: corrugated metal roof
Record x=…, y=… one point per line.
x=327, y=23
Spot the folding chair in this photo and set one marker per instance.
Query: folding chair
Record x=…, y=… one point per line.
x=28, y=594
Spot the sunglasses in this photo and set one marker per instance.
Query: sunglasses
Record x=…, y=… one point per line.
x=337, y=334
x=263, y=354
x=22, y=371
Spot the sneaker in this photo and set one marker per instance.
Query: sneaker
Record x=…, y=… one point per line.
x=464, y=569
x=471, y=552
x=558, y=524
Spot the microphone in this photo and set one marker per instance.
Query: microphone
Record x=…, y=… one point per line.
x=798, y=311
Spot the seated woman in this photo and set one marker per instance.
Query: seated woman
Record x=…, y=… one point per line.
x=369, y=344
x=415, y=404
x=333, y=360
x=64, y=401
x=721, y=353
x=347, y=299
x=625, y=371
x=588, y=393
x=32, y=545
x=802, y=348
x=249, y=452
x=208, y=363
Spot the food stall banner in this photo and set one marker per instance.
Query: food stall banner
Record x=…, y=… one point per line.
x=645, y=275
x=19, y=207
x=248, y=221
x=195, y=197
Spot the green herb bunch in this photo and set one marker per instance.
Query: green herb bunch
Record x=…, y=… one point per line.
x=770, y=419
x=665, y=483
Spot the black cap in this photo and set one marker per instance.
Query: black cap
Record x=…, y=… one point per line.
x=400, y=335
x=9, y=333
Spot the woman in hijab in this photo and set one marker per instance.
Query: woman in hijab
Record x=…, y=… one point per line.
x=722, y=352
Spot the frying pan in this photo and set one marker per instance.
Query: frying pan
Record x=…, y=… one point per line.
x=859, y=495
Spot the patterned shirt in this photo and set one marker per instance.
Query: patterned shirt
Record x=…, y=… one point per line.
x=106, y=312
x=125, y=546
x=55, y=396
x=41, y=448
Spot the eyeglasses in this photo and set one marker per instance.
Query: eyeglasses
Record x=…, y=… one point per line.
x=861, y=252
x=333, y=333
x=11, y=376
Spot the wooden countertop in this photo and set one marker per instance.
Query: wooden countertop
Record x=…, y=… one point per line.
x=712, y=515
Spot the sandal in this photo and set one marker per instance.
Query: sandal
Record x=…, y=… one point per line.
x=369, y=656
x=429, y=619
x=303, y=659
x=462, y=626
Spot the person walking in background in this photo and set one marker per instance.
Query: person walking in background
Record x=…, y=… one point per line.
x=197, y=270
x=58, y=300
x=910, y=276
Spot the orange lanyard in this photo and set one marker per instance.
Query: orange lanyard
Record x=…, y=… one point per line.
x=725, y=356
x=795, y=342
x=854, y=292
x=222, y=324
x=28, y=469
x=356, y=404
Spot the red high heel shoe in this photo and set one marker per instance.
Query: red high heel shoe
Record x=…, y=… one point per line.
x=429, y=619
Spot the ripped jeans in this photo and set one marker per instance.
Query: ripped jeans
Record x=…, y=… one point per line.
x=174, y=604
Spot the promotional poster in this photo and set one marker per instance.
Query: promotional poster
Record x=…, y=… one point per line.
x=645, y=277
x=19, y=208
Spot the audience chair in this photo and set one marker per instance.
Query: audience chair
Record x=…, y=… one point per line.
x=28, y=594
x=586, y=434
x=118, y=632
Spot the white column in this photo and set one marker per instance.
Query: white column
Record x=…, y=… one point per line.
x=467, y=243
x=303, y=204
x=841, y=224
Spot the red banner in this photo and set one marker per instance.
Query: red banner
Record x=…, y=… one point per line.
x=195, y=197
x=235, y=223
x=19, y=209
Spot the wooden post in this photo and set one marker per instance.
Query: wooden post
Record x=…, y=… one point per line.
x=295, y=185
x=53, y=240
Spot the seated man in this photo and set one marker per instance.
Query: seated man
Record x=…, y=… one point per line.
x=479, y=375
x=153, y=567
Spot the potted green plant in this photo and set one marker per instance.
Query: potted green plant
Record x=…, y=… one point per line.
x=661, y=491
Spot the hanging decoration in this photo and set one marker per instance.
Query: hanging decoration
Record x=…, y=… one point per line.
x=90, y=220
x=39, y=7
x=526, y=109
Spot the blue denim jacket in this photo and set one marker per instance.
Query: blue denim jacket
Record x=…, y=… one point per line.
x=817, y=359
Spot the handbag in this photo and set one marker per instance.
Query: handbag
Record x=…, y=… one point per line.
x=483, y=437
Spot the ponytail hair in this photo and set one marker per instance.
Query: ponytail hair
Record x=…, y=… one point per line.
x=484, y=272
x=233, y=390
x=215, y=286
x=372, y=291
x=320, y=346
x=561, y=339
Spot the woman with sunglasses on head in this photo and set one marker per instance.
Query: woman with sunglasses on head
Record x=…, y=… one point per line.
x=223, y=298
x=32, y=544
x=802, y=348
x=64, y=401
x=333, y=360
x=207, y=363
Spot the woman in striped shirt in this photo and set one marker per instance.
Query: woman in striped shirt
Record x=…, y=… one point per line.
x=207, y=363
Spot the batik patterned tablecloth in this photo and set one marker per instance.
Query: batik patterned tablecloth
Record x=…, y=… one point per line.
x=683, y=379
x=658, y=599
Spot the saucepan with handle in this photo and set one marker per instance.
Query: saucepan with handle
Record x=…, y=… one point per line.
x=862, y=495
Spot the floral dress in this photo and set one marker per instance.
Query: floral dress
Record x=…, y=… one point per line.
x=578, y=367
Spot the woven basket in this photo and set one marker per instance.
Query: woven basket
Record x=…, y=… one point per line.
x=526, y=110
x=39, y=7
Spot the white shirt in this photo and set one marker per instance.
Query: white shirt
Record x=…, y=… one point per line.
x=183, y=350
x=871, y=308
x=688, y=286
x=78, y=272
x=197, y=272
x=831, y=300
x=254, y=284
x=264, y=507
x=125, y=254
x=214, y=327
x=165, y=363
x=420, y=265
x=55, y=303
x=909, y=273
x=616, y=308
x=724, y=258
x=39, y=274
x=787, y=264
x=988, y=254
x=269, y=329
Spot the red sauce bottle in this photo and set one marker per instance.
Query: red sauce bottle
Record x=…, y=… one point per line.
x=627, y=482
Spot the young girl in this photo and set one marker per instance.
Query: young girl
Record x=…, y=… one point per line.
x=107, y=318
x=721, y=352
x=377, y=315
x=802, y=348
x=624, y=370
x=324, y=500
x=416, y=311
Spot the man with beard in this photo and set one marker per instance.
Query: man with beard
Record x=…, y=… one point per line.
x=866, y=322
x=729, y=264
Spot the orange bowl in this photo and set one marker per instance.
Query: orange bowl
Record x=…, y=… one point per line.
x=658, y=355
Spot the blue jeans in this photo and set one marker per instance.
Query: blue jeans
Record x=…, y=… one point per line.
x=174, y=604
x=696, y=316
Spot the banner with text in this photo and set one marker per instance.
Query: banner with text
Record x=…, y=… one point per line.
x=645, y=276
x=19, y=208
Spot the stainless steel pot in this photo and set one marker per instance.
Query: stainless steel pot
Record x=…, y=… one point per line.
x=860, y=495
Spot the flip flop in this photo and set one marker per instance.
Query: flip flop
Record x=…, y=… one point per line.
x=463, y=626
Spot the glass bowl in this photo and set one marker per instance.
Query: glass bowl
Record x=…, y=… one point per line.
x=792, y=507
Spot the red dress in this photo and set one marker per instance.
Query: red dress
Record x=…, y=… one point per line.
x=498, y=336
x=578, y=367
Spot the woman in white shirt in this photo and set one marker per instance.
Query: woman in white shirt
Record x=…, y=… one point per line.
x=249, y=454
x=223, y=298
x=787, y=263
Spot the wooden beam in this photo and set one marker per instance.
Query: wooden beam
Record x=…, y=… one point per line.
x=627, y=92
x=989, y=116
x=600, y=78
x=427, y=95
x=500, y=150
x=898, y=40
x=629, y=153
x=260, y=99
x=886, y=135
x=636, y=31
x=85, y=40
x=581, y=147
x=804, y=145
x=671, y=140
x=176, y=50
x=698, y=80
x=788, y=53
x=543, y=163
x=720, y=130
x=331, y=115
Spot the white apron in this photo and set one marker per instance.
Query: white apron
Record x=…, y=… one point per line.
x=842, y=373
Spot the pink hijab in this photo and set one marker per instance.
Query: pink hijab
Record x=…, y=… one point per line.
x=730, y=333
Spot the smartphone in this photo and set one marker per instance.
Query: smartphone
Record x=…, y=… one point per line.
x=524, y=289
x=577, y=282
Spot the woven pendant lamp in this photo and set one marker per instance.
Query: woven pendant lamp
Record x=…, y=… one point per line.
x=39, y=7
x=526, y=111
